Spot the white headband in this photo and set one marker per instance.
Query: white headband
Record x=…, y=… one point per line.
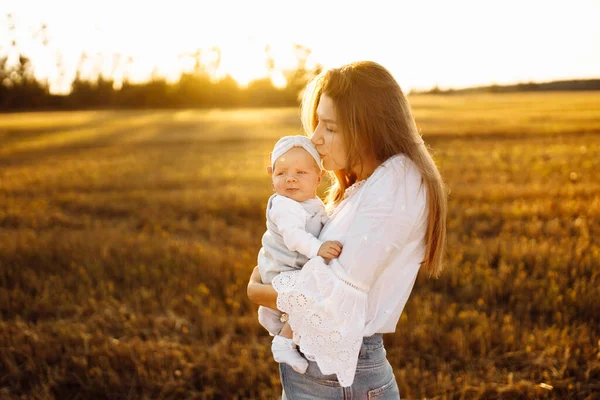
x=287, y=142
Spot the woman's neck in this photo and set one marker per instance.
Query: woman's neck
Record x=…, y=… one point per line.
x=364, y=170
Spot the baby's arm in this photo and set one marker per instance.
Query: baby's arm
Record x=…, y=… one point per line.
x=330, y=249
x=289, y=217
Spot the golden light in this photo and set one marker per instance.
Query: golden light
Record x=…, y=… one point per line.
x=244, y=60
x=423, y=45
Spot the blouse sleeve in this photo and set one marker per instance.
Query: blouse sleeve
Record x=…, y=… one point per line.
x=290, y=218
x=327, y=304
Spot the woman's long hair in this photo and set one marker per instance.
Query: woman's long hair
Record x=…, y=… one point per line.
x=376, y=119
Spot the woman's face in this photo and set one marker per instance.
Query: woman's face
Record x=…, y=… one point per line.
x=327, y=137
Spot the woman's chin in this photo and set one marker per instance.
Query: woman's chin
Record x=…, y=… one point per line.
x=329, y=166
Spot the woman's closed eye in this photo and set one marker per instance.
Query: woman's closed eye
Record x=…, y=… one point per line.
x=327, y=128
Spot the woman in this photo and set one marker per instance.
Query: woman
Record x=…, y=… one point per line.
x=388, y=209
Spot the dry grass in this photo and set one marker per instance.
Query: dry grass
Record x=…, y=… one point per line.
x=126, y=240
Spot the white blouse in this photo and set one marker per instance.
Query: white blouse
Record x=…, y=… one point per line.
x=381, y=225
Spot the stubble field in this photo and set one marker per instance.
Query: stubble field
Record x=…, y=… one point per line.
x=127, y=238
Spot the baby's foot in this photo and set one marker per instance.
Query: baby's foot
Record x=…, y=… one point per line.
x=284, y=351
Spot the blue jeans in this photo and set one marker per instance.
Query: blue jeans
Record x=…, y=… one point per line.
x=374, y=378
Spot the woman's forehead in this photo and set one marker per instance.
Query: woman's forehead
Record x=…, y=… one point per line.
x=325, y=109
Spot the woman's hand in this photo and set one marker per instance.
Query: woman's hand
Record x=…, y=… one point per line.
x=260, y=293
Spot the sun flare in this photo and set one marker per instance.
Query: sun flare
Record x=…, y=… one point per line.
x=445, y=48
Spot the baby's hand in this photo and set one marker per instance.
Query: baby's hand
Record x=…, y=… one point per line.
x=330, y=249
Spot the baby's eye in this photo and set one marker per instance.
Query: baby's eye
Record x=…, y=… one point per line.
x=301, y=172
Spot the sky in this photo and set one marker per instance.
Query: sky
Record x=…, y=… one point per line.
x=424, y=43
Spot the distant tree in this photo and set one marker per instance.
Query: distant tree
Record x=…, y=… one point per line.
x=82, y=92
x=495, y=88
x=193, y=90
x=300, y=75
x=20, y=88
x=435, y=90
x=226, y=92
x=262, y=93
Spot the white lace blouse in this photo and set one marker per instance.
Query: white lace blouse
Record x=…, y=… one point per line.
x=381, y=225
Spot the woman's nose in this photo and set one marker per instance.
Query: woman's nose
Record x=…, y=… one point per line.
x=316, y=137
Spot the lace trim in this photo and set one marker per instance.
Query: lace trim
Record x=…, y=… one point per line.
x=328, y=332
x=353, y=188
x=356, y=185
x=338, y=272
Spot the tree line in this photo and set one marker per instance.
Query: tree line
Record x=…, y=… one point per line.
x=20, y=90
x=562, y=85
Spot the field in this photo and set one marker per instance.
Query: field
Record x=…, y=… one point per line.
x=127, y=238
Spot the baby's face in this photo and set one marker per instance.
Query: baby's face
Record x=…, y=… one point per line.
x=296, y=175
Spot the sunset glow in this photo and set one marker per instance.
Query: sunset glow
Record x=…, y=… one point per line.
x=424, y=44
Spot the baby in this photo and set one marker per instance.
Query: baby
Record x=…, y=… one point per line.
x=295, y=217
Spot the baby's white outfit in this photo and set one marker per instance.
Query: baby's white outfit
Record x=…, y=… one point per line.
x=291, y=236
x=382, y=224
x=289, y=242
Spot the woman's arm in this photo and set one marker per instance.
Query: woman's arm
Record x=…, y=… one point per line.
x=260, y=293
x=328, y=306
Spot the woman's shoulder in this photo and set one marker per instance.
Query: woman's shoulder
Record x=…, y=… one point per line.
x=398, y=170
x=398, y=184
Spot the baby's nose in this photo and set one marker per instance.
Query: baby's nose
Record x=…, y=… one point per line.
x=291, y=178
